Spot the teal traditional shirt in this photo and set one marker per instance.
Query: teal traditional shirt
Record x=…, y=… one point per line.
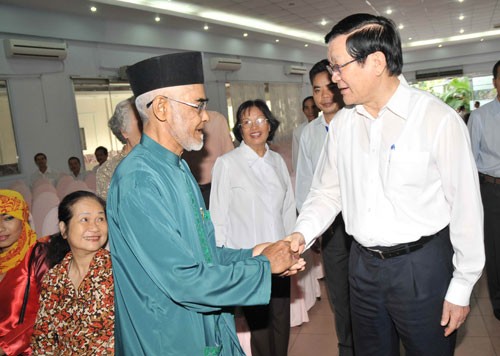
x=174, y=288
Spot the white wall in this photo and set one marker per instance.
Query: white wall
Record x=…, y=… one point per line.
x=42, y=100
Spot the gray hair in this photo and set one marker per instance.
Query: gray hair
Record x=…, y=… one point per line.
x=120, y=121
x=142, y=100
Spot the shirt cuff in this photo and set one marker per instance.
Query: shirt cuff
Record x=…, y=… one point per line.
x=458, y=293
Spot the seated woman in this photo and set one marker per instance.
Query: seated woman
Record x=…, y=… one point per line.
x=252, y=202
x=22, y=266
x=76, y=315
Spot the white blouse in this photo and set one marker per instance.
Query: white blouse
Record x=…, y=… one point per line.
x=251, y=200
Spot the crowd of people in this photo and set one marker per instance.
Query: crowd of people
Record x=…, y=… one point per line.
x=386, y=180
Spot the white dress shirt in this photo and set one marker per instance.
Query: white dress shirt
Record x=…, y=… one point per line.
x=311, y=143
x=484, y=128
x=251, y=199
x=51, y=175
x=405, y=174
x=297, y=132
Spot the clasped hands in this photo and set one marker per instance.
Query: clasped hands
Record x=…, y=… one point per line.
x=284, y=255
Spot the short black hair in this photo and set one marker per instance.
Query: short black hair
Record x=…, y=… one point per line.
x=73, y=157
x=261, y=105
x=368, y=34
x=39, y=154
x=103, y=149
x=306, y=99
x=319, y=67
x=495, y=69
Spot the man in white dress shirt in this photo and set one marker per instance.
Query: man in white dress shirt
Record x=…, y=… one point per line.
x=335, y=243
x=484, y=127
x=398, y=164
x=43, y=171
x=311, y=112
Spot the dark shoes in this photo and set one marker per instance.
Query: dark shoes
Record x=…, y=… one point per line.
x=497, y=313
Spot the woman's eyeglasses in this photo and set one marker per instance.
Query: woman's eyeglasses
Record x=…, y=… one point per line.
x=247, y=123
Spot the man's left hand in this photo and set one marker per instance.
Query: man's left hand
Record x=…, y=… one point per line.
x=453, y=317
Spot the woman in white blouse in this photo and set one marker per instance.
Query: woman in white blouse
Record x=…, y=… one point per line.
x=252, y=202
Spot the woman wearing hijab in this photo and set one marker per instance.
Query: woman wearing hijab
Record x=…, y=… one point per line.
x=22, y=266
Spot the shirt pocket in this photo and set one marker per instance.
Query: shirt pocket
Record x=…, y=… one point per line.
x=408, y=170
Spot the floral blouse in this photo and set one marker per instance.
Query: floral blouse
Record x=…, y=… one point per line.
x=76, y=322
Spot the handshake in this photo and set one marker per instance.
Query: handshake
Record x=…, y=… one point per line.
x=284, y=255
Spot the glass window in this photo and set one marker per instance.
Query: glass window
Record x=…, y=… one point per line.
x=95, y=103
x=8, y=151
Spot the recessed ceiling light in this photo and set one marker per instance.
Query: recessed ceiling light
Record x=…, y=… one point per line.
x=306, y=45
x=440, y=45
x=388, y=12
x=461, y=17
x=277, y=40
x=462, y=30
x=482, y=39
x=93, y=8
x=410, y=38
x=205, y=27
x=460, y=0
x=157, y=19
x=245, y=34
x=401, y=26
x=323, y=22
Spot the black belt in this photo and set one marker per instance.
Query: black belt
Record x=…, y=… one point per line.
x=484, y=178
x=398, y=250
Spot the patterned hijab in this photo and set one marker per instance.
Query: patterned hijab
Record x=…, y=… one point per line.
x=12, y=203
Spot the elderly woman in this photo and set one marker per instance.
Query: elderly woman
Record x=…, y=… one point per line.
x=22, y=266
x=127, y=127
x=252, y=202
x=76, y=315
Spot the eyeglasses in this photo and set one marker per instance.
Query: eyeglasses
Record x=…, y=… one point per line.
x=202, y=103
x=336, y=68
x=247, y=123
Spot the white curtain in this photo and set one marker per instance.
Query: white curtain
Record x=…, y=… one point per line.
x=286, y=105
x=241, y=92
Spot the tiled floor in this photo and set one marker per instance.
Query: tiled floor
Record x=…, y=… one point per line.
x=480, y=335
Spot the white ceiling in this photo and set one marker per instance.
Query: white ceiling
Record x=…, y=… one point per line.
x=422, y=19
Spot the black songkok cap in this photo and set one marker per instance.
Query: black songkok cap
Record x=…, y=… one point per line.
x=169, y=70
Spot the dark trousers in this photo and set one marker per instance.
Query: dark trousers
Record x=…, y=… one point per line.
x=401, y=298
x=270, y=324
x=490, y=194
x=205, y=193
x=336, y=246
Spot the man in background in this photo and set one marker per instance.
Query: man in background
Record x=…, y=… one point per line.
x=101, y=155
x=311, y=112
x=484, y=128
x=217, y=141
x=335, y=242
x=75, y=168
x=43, y=171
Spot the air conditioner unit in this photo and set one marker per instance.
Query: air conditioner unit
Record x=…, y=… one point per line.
x=446, y=72
x=35, y=49
x=295, y=70
x=229, y=64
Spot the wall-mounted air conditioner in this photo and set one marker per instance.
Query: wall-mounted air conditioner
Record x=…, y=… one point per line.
x=35, y=49
x=295, y=70
x=229, y=64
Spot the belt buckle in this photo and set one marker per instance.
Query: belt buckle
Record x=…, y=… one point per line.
x=380, y=253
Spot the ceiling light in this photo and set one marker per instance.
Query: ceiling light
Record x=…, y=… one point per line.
x=388, y=12
x=460, y=0
x=461, y=17
x=277, y=40
x=306, y=45
x=401, y=26
x=440, y=45
x=410, y=38
x=462, y=30
x=205, y=27
x=93, y=8
x=482, y=39
x=157, y=18
x=323, y=22
x=245, y=34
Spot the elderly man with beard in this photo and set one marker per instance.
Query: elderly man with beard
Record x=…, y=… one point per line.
x=174, y=288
